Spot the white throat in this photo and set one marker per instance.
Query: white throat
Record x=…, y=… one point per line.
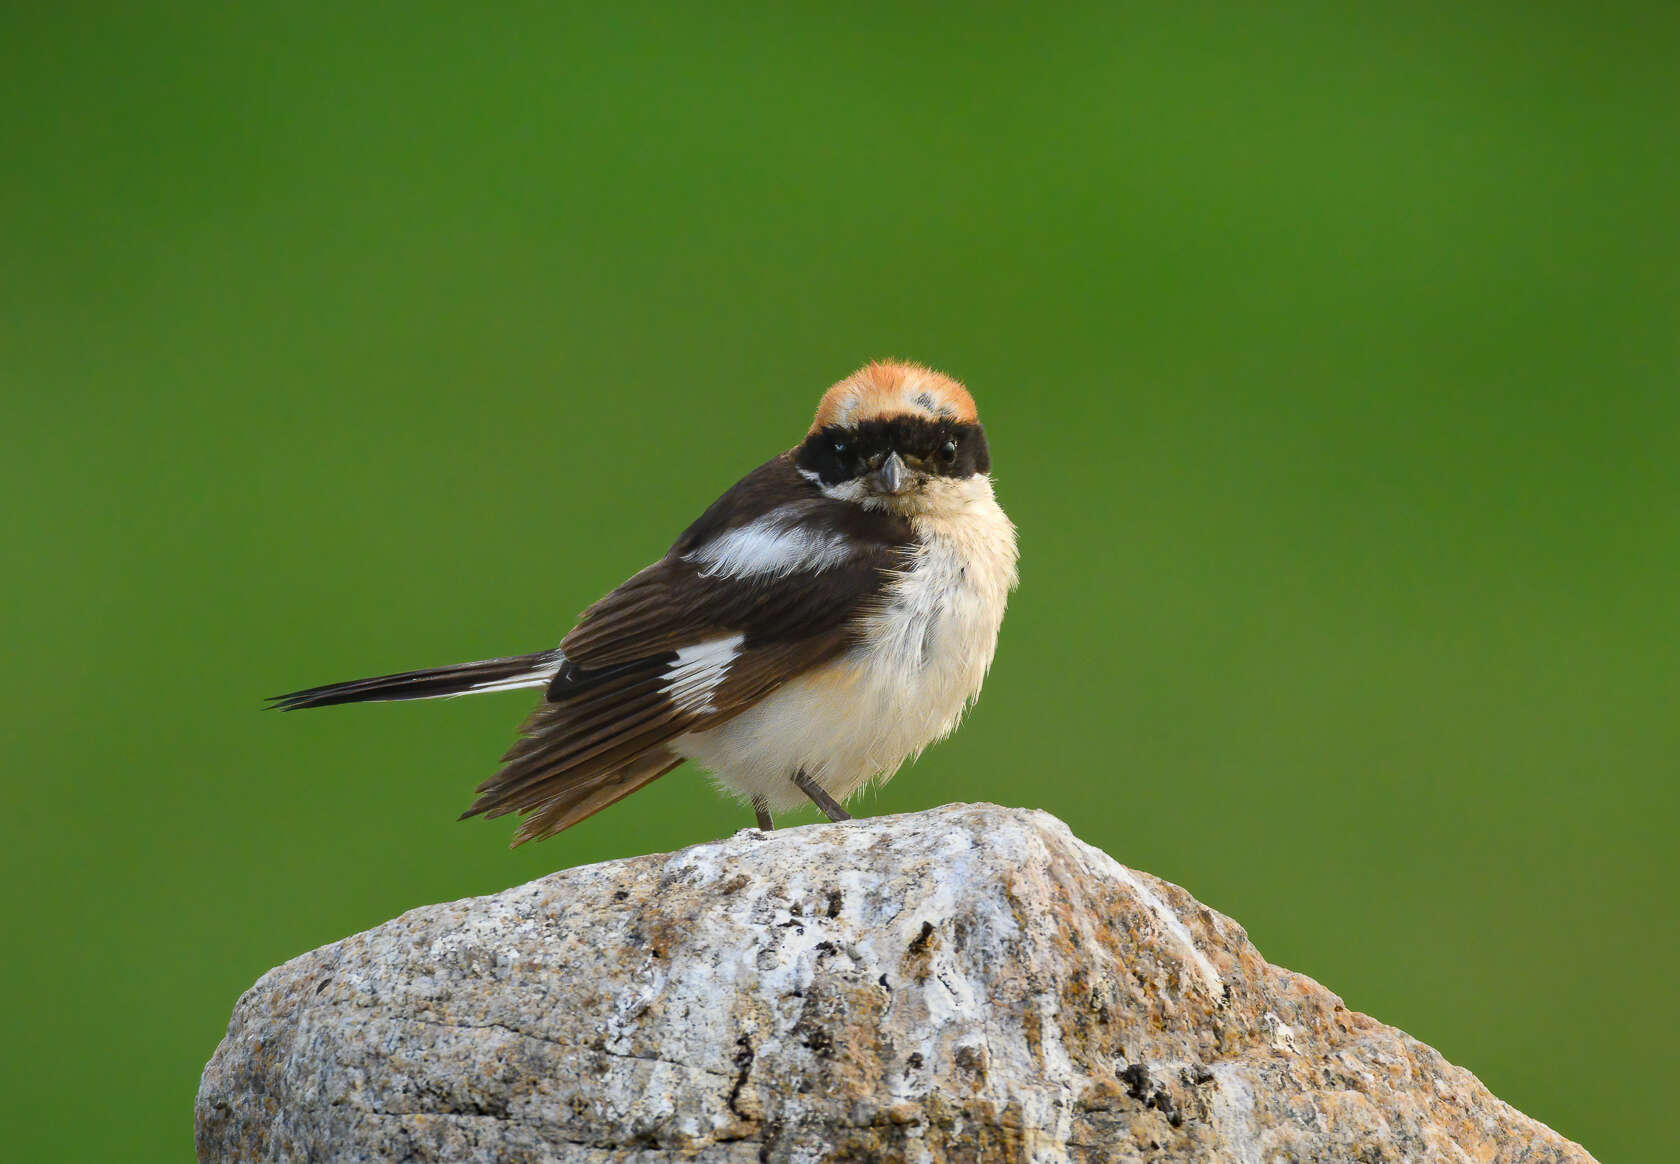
x=940, y=499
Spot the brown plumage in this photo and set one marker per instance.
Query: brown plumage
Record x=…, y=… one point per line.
x=601, y=733
x=869, y=563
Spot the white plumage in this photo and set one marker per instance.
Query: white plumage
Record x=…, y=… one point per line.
x=827, y=618
x=771, y=548
x=923, y=658
x=539, y=676
x=697, y=671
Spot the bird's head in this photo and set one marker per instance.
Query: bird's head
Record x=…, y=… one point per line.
x=900, y=437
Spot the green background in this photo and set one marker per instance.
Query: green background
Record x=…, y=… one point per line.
x=1329, y=357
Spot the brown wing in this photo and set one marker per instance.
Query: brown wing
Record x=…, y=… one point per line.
x=680, y=648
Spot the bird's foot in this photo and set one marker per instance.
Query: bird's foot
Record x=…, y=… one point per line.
x=831, y=807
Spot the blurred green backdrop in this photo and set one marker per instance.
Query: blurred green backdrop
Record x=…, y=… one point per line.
x=1329, y=357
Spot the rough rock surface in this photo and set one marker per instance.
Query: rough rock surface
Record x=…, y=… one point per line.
x=971, y=983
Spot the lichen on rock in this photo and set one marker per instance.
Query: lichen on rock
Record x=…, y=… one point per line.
x=971, y=983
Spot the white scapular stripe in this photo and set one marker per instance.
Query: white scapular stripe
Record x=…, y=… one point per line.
x=771, y=547
x=697, y=671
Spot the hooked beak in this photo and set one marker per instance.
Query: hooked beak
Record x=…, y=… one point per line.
x=893, y=476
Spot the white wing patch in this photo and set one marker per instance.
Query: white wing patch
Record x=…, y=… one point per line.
x=770, y=548
x=698, y=670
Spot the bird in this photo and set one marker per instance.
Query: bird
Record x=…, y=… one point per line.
x=824, y=620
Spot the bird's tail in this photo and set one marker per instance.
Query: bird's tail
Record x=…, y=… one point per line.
x=432, y=683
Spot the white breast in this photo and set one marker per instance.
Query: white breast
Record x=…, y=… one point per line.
x=922, y=660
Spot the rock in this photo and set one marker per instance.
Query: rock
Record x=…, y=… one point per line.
x=971, y=983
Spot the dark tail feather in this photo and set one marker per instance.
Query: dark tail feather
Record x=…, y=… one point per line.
x=432, y=683
x=589, y=795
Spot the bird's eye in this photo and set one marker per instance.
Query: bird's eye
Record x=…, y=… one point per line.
x=948, y=453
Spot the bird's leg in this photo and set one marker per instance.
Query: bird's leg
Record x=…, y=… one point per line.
x=831, y=807
x=765, y=824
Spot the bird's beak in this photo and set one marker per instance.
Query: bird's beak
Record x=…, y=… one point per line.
x=893, y=476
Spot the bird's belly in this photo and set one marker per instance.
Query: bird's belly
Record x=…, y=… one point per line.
x=921, y=661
